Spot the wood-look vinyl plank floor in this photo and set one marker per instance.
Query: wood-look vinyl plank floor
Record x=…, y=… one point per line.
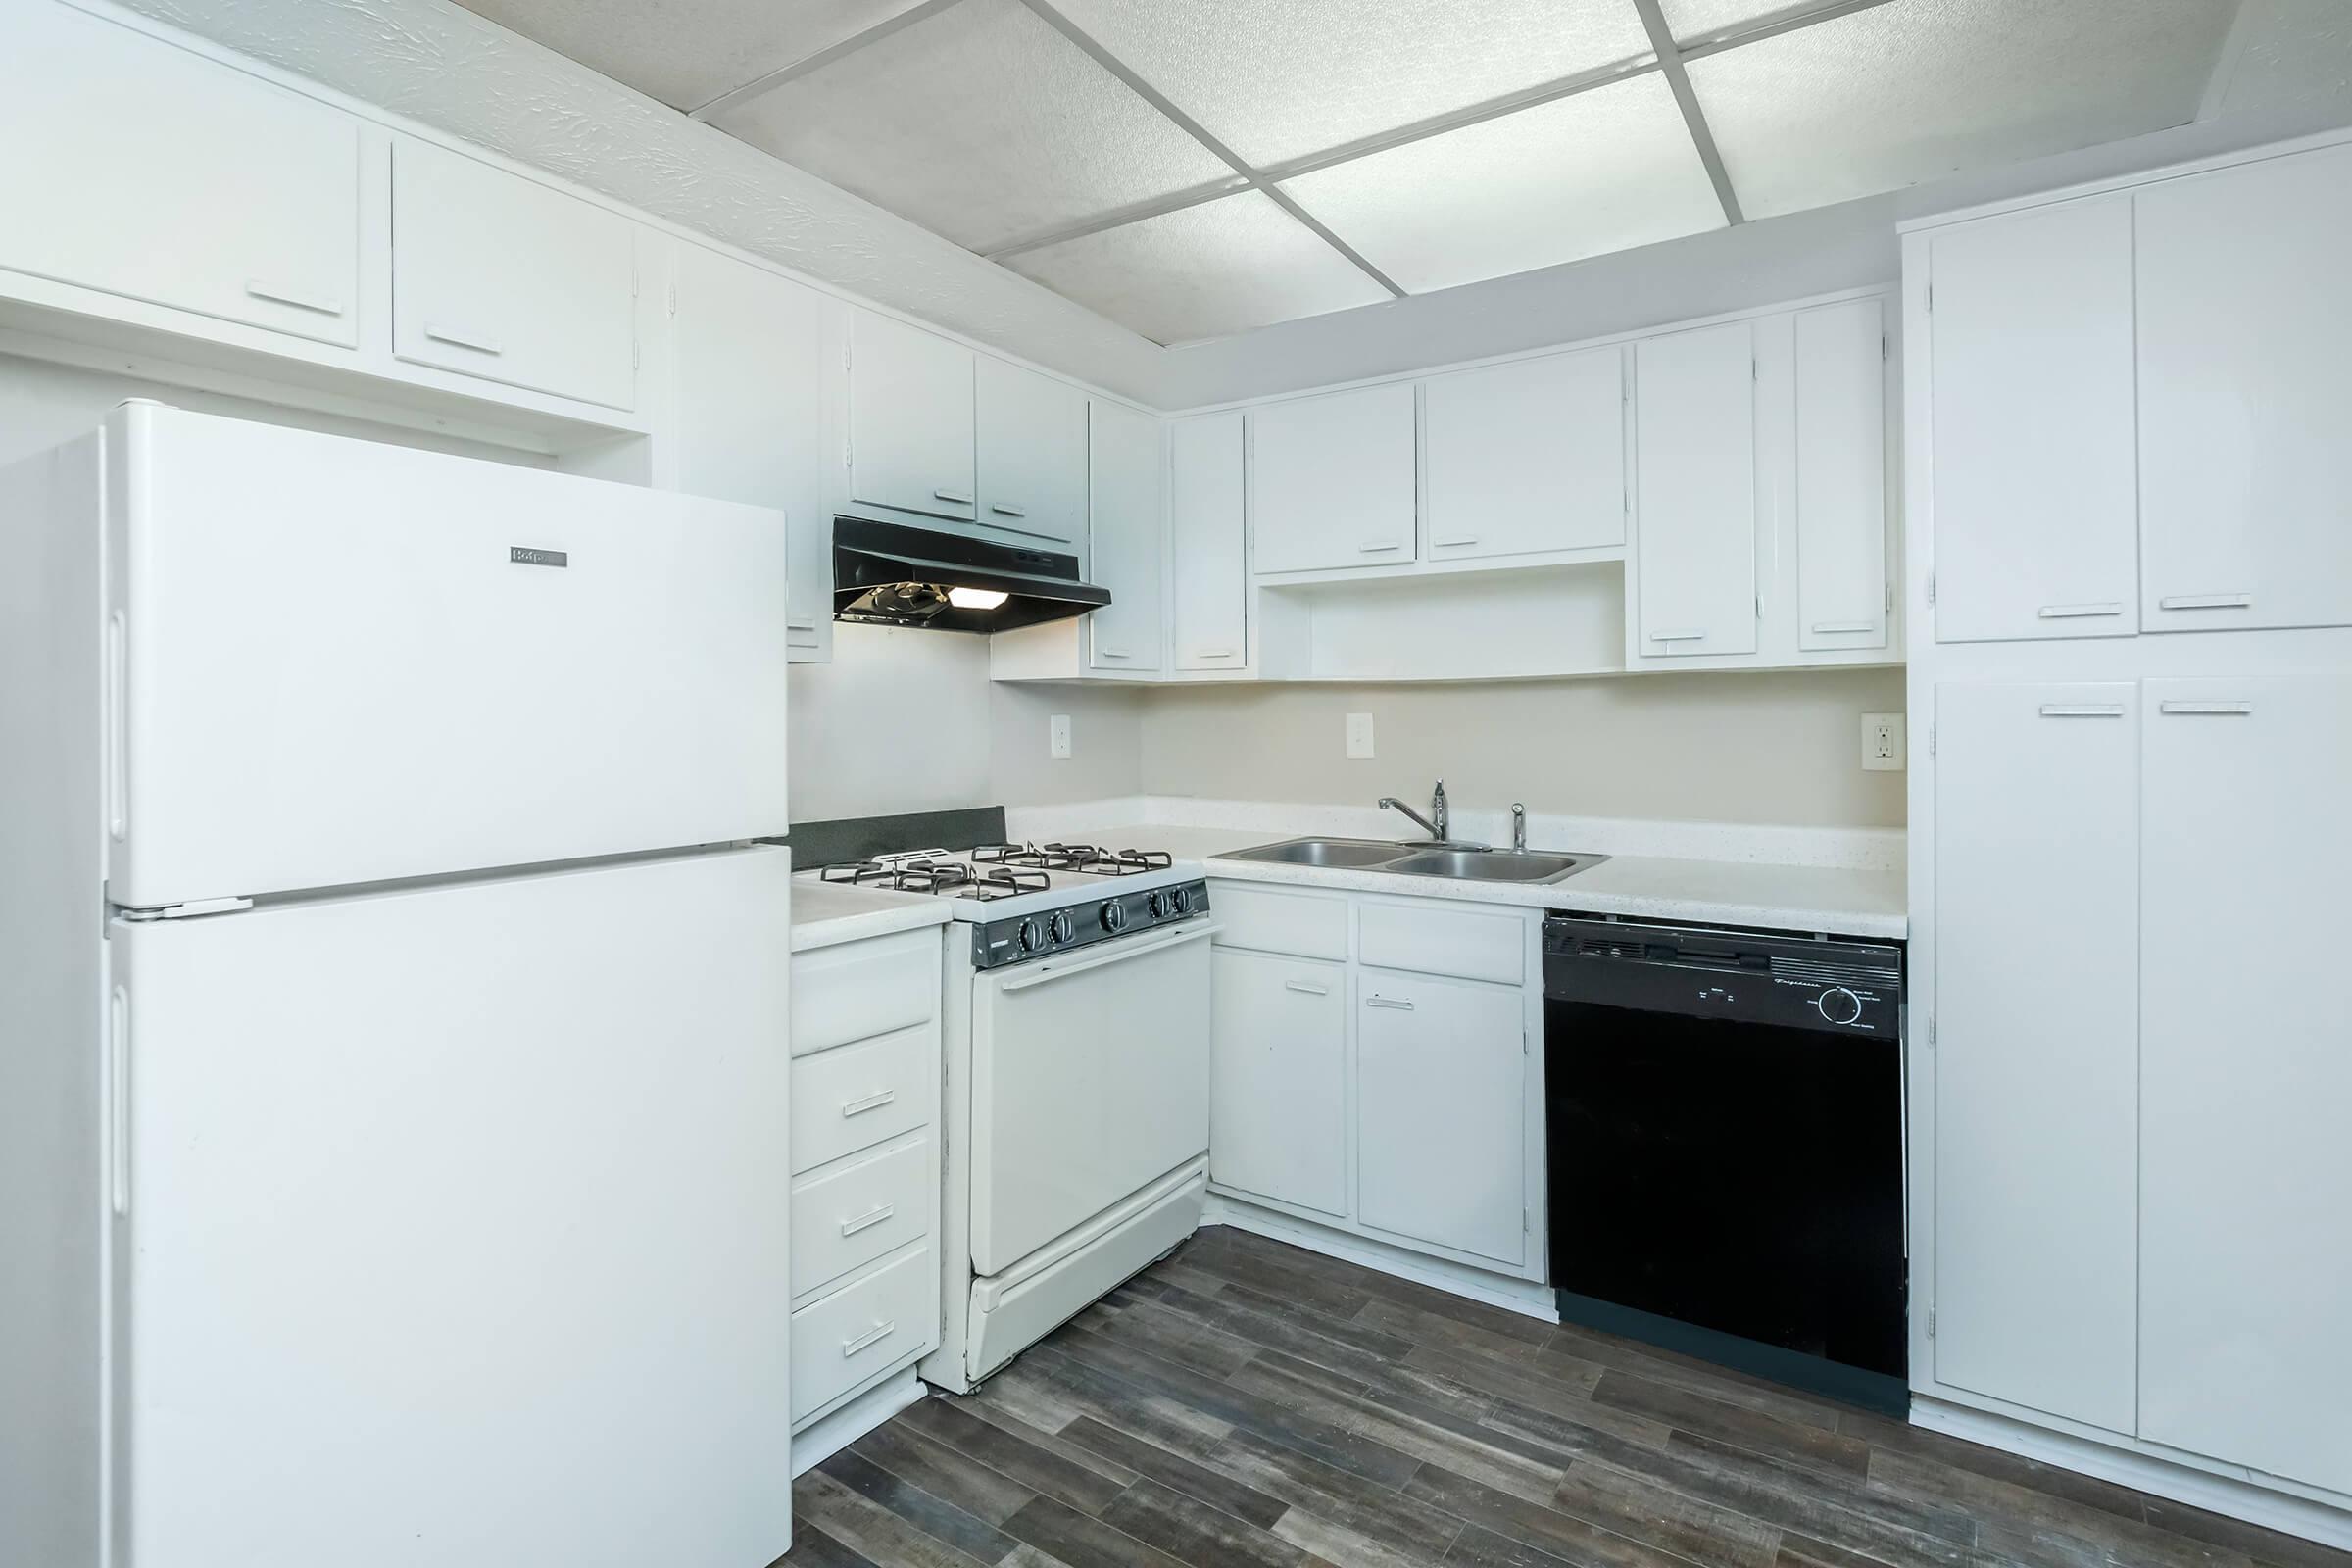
x=1249, y=1404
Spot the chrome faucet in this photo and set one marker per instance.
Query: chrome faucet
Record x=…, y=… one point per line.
x=1519, y=826
x=1435, y=823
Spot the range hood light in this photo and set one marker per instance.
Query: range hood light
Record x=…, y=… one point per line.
x=976, y=598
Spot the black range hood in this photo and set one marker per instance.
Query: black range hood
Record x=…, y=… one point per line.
x=888, y=574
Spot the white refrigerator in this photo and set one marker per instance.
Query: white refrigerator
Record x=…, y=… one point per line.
x=393, y=1060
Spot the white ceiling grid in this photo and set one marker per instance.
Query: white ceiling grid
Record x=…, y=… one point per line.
x=1195, y=169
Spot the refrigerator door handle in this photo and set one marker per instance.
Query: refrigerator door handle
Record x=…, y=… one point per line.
x=117, y=726
x=118, y=1095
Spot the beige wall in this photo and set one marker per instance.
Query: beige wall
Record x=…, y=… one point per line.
x=1764, y=747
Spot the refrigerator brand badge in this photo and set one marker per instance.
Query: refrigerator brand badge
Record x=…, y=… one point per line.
x=524, y=555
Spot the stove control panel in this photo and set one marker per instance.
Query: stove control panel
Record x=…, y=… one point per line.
x=1100, y=919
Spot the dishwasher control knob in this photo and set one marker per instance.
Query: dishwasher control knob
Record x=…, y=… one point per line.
x=1063, y=927
x=1031, y=935
x=1114, y=915
x=1839, y=1004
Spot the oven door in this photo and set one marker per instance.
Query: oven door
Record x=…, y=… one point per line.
x=1090, y=1081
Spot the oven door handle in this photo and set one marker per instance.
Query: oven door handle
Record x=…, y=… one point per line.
x=1050, y=970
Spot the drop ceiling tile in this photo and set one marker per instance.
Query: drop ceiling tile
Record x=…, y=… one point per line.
x=687, y=52
x=1914, y=90
x=1211, y=270
x=982, y=124
x=1696, y=21
x=1603, y=170
x=1278, y=79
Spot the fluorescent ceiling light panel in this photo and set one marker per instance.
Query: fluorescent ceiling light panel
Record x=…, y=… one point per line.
x=1278, y=79
x=1603, y=170
x=982, y=124
x=687, y=52
x=1915, y=90
x=1211, y=270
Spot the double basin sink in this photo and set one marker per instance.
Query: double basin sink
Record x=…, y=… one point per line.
x=1462, y=863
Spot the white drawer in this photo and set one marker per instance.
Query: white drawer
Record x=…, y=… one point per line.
x=862, y=989
x=1305, y=925
x=854, y=1097
x=866, y=1325
x=846, y=1219
x=1443, y=939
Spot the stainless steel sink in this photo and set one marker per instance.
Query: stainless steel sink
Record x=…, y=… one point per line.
x=1356, y=854
x=1491, y=865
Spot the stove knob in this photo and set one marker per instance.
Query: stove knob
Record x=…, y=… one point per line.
x=1115, y=916
x=1157, y=904
x=1063, y=926
x=1838, y=1005
x=1178, y=899
x=1032, y=935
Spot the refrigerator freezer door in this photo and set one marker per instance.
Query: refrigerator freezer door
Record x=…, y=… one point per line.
x=338, y=662
x=453, y=1225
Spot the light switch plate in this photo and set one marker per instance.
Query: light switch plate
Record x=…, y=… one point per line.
x=1057, y=735
x=1360, y=734
x=1882, y=743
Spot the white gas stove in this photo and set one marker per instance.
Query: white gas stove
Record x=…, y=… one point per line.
x=1036, y=901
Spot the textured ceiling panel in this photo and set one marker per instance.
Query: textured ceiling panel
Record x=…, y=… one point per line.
x=687, y=52
x=1917, y=89
x=1603, y=170
x=1211, y=271
x=1698, y=20
x=1278, y=79
x=2297, y=52
x=982, y=124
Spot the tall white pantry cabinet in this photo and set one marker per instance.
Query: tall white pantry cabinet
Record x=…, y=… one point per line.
x=2131, y=513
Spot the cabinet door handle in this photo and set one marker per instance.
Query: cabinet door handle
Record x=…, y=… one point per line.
x=873, y=1336
x=993, y=506
x=1455, y=544
x=859, y=1107
x=1678, y=636
x=1113, y=653
x=463, y=339
x=800, y=626
x=2208, y=709
x=1376, y=549
x=2078, y=611
x=300, y=299
x=1397, y=1002
x=1831, y=628
x=2082, y=710
x=1215, y=653
x=2206, y=602
x=962, y=498
x=1303, y=989
x=868, y=1220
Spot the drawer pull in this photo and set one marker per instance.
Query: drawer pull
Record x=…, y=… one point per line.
x=2206, y=602
x=2082, y=710
x=300, y=299
x=1833, y=628
x=867, y=1221
x=1678, y=636
x=465, y=340
x=1215, y=653
x=2078, y=611
x=859, y=1107
x=1455, y=544
x=962, y=498
x=998, y=506
x=2209, y=710
x=1376, y=549
x=1397, y=1002
x=872, y=1336
x=1113, y=653
x=1306, y=990
x=800, y=626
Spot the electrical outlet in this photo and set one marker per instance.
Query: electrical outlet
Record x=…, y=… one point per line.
x=1882, y=743
x=1360, y=734
x=1057, y=735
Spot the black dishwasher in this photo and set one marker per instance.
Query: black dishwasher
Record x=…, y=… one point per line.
x=1725, y=1132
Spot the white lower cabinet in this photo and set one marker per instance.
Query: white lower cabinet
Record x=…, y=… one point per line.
x=1441, y=1111
x=1400, y=1105
x=1278, y=1079
x=2246, y=1169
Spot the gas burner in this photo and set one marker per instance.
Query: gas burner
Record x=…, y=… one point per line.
x=898, y=873
x=1091, y=858
x=1124, y=863
x=1003, y=883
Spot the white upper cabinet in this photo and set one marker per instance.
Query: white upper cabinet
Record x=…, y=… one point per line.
x=1526, y=458
x=2036, y=954
x=143, y=170
x=501, y=278
x=910, y=419
x=2245, y=1173
x=2033, y=465
x=1332, y=480
x=1125, y=485
x=1441, y=1101
x=1843, y=590
x=1031, y=432
x=746, y=354
x=1207, y=542
x=2245, y=396
x=1695, y=493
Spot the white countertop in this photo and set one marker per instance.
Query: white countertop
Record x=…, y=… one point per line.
x=824, y=914
x=1849, y=901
